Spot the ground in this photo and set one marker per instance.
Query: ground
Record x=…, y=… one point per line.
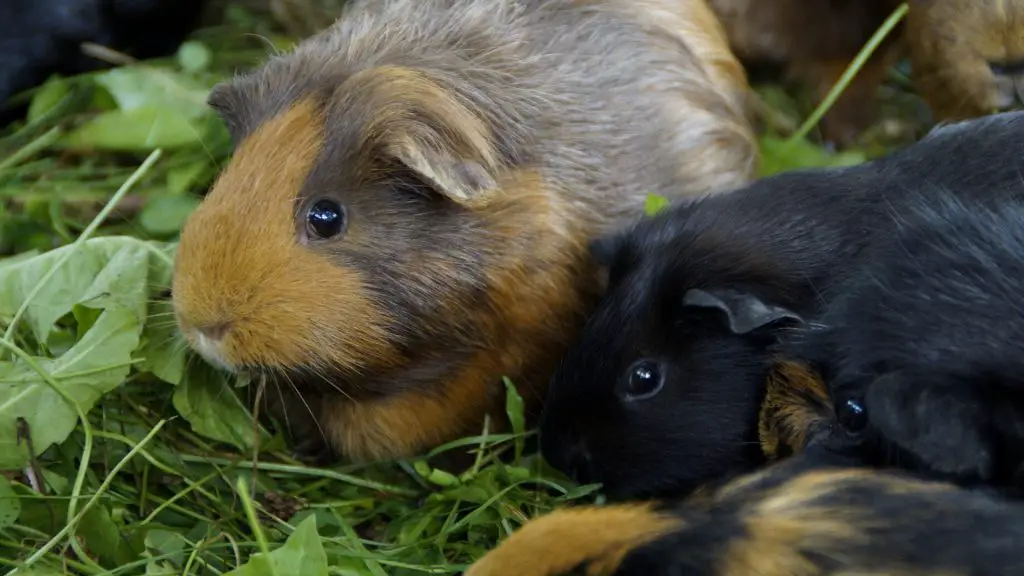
x=137, y=458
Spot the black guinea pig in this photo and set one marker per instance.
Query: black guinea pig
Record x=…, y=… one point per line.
x=923, y=351
x=661, y=391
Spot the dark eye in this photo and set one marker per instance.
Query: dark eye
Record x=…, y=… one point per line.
x=851, y=415
x=325, y=218
x=643, y=380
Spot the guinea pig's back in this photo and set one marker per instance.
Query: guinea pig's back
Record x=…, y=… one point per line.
x=654, y=85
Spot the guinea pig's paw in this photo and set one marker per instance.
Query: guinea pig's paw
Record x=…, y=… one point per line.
x=591, y=540
x=941, y=423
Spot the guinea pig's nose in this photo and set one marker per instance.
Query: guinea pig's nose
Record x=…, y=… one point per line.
x=580, y=463
x=214, y=332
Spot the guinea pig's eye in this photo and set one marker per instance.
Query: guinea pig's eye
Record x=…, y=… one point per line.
x=325, y=218
x=852, y=415
x=643, y=380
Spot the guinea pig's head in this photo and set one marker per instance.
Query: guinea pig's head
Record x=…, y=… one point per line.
x=967, y=55
x=358, y=230
x=661, y=391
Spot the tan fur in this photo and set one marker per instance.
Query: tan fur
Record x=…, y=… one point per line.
x=562, y=540
x=796, y=402
x=951, y=44
x=394, y=336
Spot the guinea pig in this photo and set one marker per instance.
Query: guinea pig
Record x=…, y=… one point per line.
x=813, y=43
x=795, y=518
x=661, y=390
x=406, y=214
x=923, y=349
x=967, y=56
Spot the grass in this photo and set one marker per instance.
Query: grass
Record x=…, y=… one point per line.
x=125, y=455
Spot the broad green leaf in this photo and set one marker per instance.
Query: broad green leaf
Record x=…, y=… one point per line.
x=101, y=535
x=166, y=214
x=140, y=129
x=779, y=155
x=10, y=505
x=94, y=366
x=105, y=271
x=207, y=401
x=654, y=204
x=301, y=554
x=140, y=87
x=47, y=96
x=163, y=351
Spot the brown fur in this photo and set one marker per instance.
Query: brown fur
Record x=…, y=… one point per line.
x=952, y=43
x=565, y=539
x=476, y=147
x=794, y=518
x=796, y=407
x=815, y=42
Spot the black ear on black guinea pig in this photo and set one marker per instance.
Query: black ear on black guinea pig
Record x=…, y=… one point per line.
x=923, y=351
x=662, y=390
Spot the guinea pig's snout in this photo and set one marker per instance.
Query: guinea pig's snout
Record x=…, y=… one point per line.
x=573, y=458
x=1009, y=84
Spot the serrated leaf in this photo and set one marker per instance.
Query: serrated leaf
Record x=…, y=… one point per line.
x=302, y=553
x=95, y=365
x=82, y=276
x=10, y=505
x=206, y=400
x=163, y=351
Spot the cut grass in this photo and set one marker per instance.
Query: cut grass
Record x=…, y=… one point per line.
x=155, y=469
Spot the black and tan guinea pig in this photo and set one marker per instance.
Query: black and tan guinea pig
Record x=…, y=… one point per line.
x=923, y=350
x=795, y=518
x=813, y=43
x=661, y=390
x=967, y=56
x=405, y=217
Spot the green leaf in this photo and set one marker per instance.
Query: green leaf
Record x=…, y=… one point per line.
x=95, y=365
x=10, y=505
x=301, y=554
x=104, y=271
x=101, y=534
x=654, y=204
x=163, y=351
x=166, y=214
x=206, y=400
x=140, y=87
x=516, y=417
x=779, y=155
x=47, y=96
x=194, y=56
x=141, y=129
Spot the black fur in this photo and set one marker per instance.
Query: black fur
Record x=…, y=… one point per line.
x=836, y=521
x=789, y=242
x=928, y=338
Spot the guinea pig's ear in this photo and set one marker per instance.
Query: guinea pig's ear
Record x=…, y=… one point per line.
x=745, y=312
x=465, y=182
x=427, y=127
x=226, y=100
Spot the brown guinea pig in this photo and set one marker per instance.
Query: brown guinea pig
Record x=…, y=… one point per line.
x=406, y=216
x=967, y=56
x=814, y=42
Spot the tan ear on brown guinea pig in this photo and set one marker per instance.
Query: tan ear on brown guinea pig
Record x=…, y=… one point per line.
x=406, y=216
x=814, y=42
x=967, y=56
